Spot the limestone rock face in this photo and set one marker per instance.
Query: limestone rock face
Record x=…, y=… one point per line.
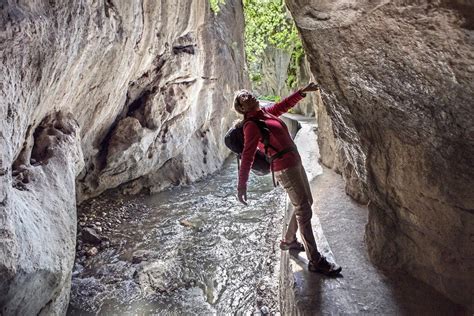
x=274, y=72
x=95, y=94
x=309, y=105
x=37, y=227
x=398, y=90
x=274, y=68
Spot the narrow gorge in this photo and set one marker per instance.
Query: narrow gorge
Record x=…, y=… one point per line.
x=113, y=115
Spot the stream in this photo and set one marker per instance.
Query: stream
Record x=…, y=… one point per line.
x=188, y=250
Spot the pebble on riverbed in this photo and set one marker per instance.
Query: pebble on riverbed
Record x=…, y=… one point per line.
x=264, y=310
x=97, y=224
x=91, y=236
x=186, y=223
x=92, y=252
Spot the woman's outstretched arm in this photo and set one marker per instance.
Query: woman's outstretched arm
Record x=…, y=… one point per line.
x=287, y=103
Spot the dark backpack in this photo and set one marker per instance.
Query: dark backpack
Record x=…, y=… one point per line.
x=234, y=140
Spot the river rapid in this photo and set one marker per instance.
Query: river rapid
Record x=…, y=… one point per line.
x=188, y=250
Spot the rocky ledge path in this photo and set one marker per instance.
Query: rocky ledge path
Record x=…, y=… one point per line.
x=339, y=226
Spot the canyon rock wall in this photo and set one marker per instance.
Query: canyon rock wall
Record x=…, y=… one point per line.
x=397, y=121
x=38, y=221
x=97, y=95
x=274, y=72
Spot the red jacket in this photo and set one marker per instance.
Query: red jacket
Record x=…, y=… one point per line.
x=279, y=137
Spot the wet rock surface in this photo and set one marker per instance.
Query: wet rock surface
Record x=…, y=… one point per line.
x=191, y=250
x=397, y=87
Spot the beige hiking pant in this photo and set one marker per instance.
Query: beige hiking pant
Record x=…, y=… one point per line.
x=296, y=184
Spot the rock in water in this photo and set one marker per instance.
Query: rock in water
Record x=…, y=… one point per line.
x=92, y=252
x=264, y=310
x=187, y=223
x=91, y=236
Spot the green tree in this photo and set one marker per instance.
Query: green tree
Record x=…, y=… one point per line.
x=215, y=5
x=295, y=62
x=267, y=22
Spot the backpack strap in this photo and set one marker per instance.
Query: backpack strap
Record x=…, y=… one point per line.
x=282, y=152
x=238, y=163
x=265, y=132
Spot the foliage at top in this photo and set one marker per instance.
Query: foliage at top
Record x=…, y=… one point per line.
x=272, y=98
x=215, y=5
x=295, y=62
x=267, y=22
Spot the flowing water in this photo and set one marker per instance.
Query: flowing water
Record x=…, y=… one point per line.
x=188, y=250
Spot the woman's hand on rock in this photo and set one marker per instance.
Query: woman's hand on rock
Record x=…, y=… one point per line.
x=312, y=86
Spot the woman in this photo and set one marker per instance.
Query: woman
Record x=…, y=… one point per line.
x=288, y=170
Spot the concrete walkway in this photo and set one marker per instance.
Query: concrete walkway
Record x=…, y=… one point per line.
x=339, y=225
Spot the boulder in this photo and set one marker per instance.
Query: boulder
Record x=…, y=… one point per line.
x=397, y=89
x=90, y=235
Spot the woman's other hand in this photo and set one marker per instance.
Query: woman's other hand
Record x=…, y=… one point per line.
x=312, y=86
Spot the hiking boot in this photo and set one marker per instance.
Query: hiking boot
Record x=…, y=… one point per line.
x=294, y=245
x=324, y=267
